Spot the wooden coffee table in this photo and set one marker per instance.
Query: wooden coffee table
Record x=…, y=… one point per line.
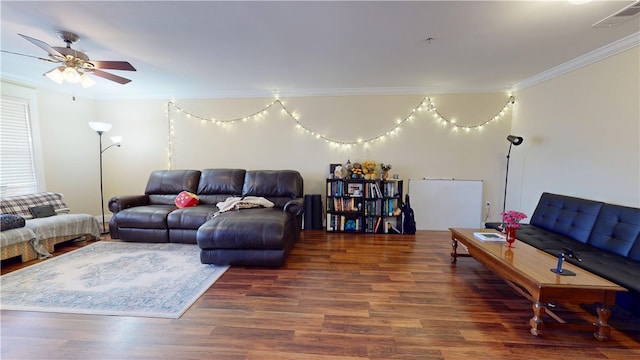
x=527, y=270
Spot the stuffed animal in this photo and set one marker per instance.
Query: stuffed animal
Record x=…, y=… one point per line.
x=348, y=166
x=337, y=172
x=356, y=171
x=369, y=170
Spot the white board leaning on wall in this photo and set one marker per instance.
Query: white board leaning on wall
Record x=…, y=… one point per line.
x=440, y=204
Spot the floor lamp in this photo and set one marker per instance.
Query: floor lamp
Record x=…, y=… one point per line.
x=513, y=141
x=101, y=128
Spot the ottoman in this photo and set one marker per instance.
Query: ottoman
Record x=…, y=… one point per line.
x=254, y=237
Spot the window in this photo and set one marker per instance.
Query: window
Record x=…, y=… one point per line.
x=17, y=165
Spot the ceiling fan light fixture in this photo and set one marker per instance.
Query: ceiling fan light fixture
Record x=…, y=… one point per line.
x=71, y=75
x=86, y=81
x=56, y=75
x=76, y=63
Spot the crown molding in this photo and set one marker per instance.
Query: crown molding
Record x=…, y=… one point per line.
x=329, y=92
x=384, y=91
x=606, y=51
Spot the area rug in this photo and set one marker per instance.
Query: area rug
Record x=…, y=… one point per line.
x=112, y=278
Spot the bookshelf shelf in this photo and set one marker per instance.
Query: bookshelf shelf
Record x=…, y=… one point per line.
x=364, y=206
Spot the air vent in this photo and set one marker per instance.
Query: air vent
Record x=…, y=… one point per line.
x=620, y=16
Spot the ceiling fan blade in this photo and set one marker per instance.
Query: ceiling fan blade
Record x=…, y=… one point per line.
x=113, y=65
x=112, y=77
x=31, y=56
x=44, y=46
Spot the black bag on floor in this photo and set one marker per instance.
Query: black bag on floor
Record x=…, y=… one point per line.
x=408, y=220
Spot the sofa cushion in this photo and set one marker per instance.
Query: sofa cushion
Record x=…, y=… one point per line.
x=144, y=217
x=566, y=215
x=547, y=240
x=10, y=237
x=164, y=185
x=617, y=229
x=11, y=221
x=218, y=184
x=186, y=199
x=64, y=225
x=279, y=186
x=618, y=269
x=190, y=218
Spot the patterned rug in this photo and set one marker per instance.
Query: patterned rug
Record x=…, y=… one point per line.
x=112, y=278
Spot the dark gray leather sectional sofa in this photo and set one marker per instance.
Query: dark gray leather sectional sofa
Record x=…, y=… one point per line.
x=258, y=236
x=605, y=237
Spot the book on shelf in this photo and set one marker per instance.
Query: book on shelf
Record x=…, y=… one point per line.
x=346, y=204
x=373, y=207
x=390, y=189
x=335, y=188
x=489, y=236
x=375, y=230
x=372, y=190
x=377, y=188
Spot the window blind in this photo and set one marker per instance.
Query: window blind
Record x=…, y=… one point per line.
x=17, y=168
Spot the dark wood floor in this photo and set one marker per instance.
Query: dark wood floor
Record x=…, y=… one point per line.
x=338, y=297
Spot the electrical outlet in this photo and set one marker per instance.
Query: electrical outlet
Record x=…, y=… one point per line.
x=487, y=205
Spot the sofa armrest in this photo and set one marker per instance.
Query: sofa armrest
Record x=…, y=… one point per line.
x=295, y=206
x=119, y=203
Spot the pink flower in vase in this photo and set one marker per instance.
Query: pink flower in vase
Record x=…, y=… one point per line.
x=511, y=221
x=512, y=218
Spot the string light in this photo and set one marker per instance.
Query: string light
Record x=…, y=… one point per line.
x=426, y=104
x=169, y=137
x=254, y=116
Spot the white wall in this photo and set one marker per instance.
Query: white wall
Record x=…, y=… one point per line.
x=582, y=135
x=421, y=149
x=581, y=131
x=70, y=150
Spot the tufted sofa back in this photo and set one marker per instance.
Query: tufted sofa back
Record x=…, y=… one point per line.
x=617, y=230
x=164, y=185
x=279, y=186
x=566, y=215
x=217, y=185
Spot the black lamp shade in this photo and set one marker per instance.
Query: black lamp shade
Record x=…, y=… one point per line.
x=515, y=140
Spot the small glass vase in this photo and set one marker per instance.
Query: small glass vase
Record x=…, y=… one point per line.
x=510, y=234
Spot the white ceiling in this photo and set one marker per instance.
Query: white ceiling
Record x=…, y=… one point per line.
x=210, y=49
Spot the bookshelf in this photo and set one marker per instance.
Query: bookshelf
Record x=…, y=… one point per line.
x=364, y=206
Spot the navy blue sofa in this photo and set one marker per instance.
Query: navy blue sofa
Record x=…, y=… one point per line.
x=605, y=237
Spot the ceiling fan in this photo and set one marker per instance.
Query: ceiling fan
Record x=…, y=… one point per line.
x=74, y=64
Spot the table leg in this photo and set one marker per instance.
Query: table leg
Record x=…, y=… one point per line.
x=454, y=250
x=536, y=321
x=604, y=329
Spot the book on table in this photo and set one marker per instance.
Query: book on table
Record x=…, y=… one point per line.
x=489, y=236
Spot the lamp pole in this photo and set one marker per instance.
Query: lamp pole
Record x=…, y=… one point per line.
x=104, y=226
x=100, y=128
x=513, y=140
x=506, y=180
